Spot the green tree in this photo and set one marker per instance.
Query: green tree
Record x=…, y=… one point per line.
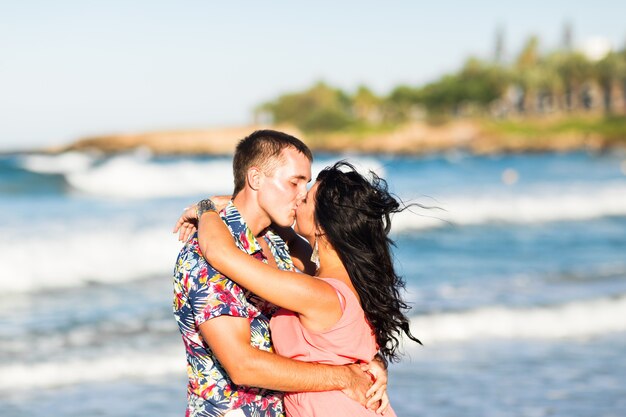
x=400, y=104
x=482, y=83
x=551, y=83
x=528, y=75
x=610, y=73
x=477, y=84
x=366, y=106
x=320, y=108
x=574, y=69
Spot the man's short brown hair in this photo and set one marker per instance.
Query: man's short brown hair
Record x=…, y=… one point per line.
x=262, y=149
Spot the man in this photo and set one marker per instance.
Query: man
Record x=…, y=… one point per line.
x=225, y=328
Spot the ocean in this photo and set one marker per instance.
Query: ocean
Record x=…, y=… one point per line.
x=515, y=267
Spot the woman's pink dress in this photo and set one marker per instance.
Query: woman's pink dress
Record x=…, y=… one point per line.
x=349, y=340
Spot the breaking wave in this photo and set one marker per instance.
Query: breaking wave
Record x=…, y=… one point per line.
x=140, y=176
x=608, y=199
x=569, y=320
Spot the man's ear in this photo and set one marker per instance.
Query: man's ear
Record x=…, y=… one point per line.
x=254, y=177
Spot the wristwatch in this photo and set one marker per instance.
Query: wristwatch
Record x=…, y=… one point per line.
x=204, y=206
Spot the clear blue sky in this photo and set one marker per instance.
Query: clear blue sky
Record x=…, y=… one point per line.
x=75, y=68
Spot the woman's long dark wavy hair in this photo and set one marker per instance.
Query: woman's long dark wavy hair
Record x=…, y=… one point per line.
x=354, y=215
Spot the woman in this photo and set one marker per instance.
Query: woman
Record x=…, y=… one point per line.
x=351, y=308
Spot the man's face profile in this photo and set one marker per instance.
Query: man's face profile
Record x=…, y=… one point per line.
x=281, y=191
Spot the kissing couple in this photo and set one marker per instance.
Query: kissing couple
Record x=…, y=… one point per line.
x=289, y=321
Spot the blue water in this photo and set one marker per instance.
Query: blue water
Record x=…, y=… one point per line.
x=515, y=268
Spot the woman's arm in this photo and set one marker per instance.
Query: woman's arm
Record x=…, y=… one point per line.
x=315, y=300
x=299, y=248
x=187, y=223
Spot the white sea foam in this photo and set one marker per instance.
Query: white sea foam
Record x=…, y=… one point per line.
x=106, y=367
x=130, y=177
x=580, y=319
x=58, y=164
x=74, y=254
x=69, y=258
x=570, y=320
x=137, y=176
x=608, y=199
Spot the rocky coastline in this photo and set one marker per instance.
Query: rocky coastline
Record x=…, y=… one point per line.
x=416, y=138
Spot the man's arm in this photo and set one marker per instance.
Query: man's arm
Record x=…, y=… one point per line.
x=229, y=339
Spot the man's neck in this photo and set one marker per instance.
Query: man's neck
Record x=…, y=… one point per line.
x=255, y=218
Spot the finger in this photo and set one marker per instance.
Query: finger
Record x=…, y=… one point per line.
x=181, y=221
x=375, y=398
x=190, y=231
x=181, y=232
x=384, y=403
x=184, y=233
x=377, y=371
x=377, y=385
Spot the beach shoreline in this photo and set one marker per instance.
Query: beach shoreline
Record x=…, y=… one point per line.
x=480, y=137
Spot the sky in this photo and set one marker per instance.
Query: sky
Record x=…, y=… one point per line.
x=70, y=69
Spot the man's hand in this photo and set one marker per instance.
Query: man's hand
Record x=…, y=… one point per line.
x=358, y=384
x=187, y=223
x=377, y=398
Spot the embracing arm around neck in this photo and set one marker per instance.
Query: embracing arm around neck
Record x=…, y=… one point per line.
x=316, y=301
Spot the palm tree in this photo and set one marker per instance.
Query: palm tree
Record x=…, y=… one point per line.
x=527, y=74
x=610, y=73
x=574, y=69
x=552, y=84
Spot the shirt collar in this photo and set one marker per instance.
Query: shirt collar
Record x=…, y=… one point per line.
x=240, y=230
x=248, y=243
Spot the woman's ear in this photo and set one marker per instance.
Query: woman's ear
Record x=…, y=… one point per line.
x=254, y=177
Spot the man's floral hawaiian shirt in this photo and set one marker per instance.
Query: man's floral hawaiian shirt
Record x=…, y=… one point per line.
x=201, y=293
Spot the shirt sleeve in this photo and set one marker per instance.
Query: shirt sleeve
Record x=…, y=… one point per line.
x=214, y=295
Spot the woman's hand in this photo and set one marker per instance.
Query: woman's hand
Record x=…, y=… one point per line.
x=187, y=223
x=377, y=398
